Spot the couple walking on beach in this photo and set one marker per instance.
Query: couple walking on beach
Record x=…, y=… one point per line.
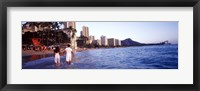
x=68, y=52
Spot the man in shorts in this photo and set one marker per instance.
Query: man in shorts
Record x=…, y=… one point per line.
x=68, y=51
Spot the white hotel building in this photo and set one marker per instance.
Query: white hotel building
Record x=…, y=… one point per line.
x=104, y=40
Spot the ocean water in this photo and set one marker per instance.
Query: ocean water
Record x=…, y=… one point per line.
x=138, y=57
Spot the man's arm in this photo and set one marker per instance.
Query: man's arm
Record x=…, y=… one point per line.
x=64, y=51
x=72, y=51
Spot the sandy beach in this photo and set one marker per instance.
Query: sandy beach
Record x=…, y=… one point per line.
x=32, y=52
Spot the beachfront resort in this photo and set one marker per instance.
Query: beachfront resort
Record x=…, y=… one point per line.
x=43, y=37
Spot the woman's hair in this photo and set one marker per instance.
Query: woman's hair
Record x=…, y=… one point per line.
x=57, y=50
x=68, y=45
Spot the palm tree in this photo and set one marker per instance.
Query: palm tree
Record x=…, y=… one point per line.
x=71, y=33
x=46, y=28
x=71, y=30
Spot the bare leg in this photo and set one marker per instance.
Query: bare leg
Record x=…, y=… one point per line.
x=67, y=62
x=55, y=60
x=59, y=60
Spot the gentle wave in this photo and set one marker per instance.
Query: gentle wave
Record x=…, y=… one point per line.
x=140, y=57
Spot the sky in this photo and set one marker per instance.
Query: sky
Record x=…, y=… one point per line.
x=143, y=32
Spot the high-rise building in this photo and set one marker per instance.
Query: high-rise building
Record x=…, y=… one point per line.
x=85, y=31
x=98, y=42
x=91, y=39
x=116, y=42
x=104, y=40
x=120, y=43
x=71, y=24
x=66, y=30
x=111, y=42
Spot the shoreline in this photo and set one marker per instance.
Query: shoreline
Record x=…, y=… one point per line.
x=48, y=52
x=32, y=52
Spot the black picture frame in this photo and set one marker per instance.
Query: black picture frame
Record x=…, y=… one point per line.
x=100, y=3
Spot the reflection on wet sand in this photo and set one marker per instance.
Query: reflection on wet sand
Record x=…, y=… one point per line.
x=46, y=60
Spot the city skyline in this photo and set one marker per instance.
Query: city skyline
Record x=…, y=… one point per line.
x=144, y=32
